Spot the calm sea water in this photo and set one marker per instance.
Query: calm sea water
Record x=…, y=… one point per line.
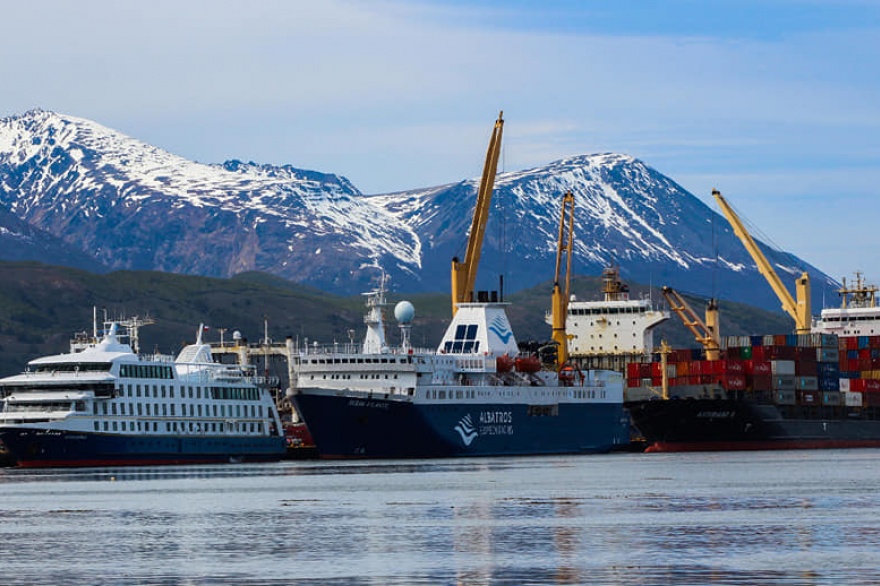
x=801, y=517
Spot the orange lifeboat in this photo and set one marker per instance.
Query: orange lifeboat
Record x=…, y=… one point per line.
x=503, y=363
x=528, y=364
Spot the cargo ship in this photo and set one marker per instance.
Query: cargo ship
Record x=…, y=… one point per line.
x=766, y=392
x=472, y=396
x=102, y=404
x=817, y=390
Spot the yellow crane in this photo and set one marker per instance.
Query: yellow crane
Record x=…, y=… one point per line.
x=706, y=333
x=560, y=297
x=798, y=309
x=464, y=273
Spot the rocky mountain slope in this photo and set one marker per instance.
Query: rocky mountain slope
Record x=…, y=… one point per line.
x=134, y=206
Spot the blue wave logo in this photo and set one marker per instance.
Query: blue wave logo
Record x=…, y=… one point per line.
x=500, y=329
x=466, y=430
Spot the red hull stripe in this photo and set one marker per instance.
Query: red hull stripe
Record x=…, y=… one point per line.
x=761, y=445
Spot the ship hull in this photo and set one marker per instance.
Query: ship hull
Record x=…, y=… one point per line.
x=722, y=424
x=31, y=448
x=346, y=426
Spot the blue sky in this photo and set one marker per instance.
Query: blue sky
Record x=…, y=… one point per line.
x=775, y=103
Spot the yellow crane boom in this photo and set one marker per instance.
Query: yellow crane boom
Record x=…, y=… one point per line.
x=799, y=309
x=464, y=274
x=706, y=333
x=560, y=297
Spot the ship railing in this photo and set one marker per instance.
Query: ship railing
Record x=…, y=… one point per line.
x=354, y=349
x=156, y=357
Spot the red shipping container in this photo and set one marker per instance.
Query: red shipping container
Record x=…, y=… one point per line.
x=732, y=382
x=857, y=385
x=683, y=368
x=757, y=367
x=871, y=385
x=805, y=354
x=852, y=343
x=759, y=353
x=656, y=369
x=632, y=370
x=760, y=382
x=806, y=368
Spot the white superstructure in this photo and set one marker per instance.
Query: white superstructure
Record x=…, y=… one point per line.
x=610, y=332
x=858, y=314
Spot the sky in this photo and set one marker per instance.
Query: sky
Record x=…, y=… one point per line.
x=776, y=103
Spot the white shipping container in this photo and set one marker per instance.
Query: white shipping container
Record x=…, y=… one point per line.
x=851, y=398
x=844, y=384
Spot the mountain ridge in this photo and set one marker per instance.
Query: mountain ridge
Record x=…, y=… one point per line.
x=136, y=207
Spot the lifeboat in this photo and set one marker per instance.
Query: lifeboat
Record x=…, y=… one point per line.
x=503, y=363
x=528, y=364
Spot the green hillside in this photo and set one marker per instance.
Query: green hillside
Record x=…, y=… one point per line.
x=42, y=306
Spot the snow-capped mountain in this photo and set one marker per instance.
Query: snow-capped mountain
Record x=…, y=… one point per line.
x=135, y=206
x=21, y=241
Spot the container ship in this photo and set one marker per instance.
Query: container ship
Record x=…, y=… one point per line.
x=817, y=388
x=103, y=404
x=764, y=392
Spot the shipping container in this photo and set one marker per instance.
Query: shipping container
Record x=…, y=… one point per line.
x=783, y=382
x=851, y=399
x=807, y=383
x=808, y=398
x=784, y=367
x=831, y=398
x=759, y=382
x=785, y=397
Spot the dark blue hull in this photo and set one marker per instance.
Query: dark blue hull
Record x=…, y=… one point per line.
x=346, y=427
x=51, y=448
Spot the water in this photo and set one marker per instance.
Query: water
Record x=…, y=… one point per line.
x=800, y=517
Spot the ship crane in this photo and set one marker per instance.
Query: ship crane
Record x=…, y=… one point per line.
x=798, y=309
x=561, y=296
x=706, y=333
x=464, y=273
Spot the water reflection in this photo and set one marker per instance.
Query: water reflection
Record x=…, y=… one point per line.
x=619, y=519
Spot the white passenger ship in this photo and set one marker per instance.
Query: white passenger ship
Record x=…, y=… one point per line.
x=103, y=404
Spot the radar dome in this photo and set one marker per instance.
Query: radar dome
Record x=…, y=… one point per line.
x=404, y=312
x=236, y=335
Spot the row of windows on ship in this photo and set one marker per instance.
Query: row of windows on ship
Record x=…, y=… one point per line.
x=514, y=394
x=226, y=427
x=161, y=391
x=606, y=310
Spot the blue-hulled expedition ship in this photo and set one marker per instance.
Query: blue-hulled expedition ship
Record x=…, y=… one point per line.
x=103, y=404
x=473, y=396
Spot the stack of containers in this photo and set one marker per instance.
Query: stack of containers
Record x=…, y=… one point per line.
x=785, y=369
x=860, y=370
